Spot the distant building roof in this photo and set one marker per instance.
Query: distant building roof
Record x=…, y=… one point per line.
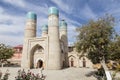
x=18, y=46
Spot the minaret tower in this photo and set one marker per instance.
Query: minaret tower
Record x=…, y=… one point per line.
x=44, y=30
x=64, y=39
x=54, y=56
x=30, y=32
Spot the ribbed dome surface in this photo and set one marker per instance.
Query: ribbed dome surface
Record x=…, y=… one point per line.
x=31, y=15
x=53, y=10
x=63, y=24
x=45, y=27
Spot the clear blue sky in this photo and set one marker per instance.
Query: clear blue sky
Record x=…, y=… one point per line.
x=75, y=12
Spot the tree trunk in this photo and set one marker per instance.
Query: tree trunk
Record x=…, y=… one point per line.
x=107, y=73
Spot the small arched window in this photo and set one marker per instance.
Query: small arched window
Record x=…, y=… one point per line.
x=71, y=59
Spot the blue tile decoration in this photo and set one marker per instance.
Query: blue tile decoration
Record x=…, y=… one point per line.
x=63, y=24
x=53, y=10
x=45, y=27
x=31, y=15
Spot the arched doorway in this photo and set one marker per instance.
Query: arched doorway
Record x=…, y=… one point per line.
x=39, y=63
x=36, y=52
x=84, y=62
x=72, y=62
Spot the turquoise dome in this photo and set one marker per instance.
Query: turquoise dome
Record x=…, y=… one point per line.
x=53, y=10
x=45, y=27
x=31, y=15
x=63, y=24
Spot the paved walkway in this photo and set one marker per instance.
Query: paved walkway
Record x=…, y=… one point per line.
x=64, y=74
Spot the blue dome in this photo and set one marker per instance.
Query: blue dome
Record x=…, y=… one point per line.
x=31, y=15
x=63, y=24
x=53, y=10
x=45, y=27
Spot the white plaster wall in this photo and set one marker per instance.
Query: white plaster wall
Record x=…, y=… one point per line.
x=79, y=61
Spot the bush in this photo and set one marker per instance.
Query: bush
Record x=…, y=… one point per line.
x=6, y=75
x=22, y=75
x=118, y=67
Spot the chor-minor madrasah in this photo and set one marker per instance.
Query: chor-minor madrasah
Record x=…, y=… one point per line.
x=51, y=50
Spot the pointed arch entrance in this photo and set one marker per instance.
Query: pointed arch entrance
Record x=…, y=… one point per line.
x=39, y=63
x=36, y=52
x=84, y=62
x=72, y=62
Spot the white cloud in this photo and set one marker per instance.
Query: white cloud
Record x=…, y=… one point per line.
x=115, y=11
x=15, y=27
x=68, y=20
x=40, y=10
x=72, y=34
x=62, y=5
x=1, y=10
x=25, y=5
x=87, y=13
x=19, y=3
x=11, y=40
x=8, y=32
